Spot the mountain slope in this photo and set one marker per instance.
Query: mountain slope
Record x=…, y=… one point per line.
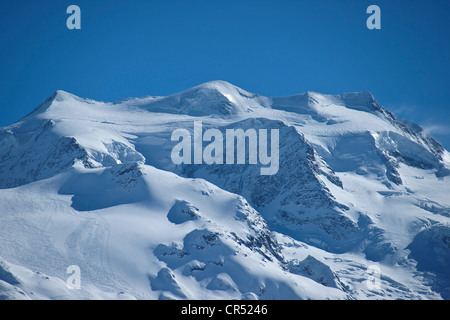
x=92, y=184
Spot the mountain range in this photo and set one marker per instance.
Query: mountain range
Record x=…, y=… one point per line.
x=359, y=208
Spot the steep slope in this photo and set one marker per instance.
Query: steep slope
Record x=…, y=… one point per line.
x=295, y=200
x=123, y=227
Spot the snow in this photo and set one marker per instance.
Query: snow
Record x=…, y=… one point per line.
x=91, y=184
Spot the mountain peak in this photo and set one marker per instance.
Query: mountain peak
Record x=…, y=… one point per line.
x=60, y=99
x=224, y=88
x=219, y=98
x=216, y=84
x=61, y=95
x=355, y=99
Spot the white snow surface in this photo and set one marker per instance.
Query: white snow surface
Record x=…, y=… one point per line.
x=92, y=184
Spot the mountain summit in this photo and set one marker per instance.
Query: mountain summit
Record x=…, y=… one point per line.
x=359, y=195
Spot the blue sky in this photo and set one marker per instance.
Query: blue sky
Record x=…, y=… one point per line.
x=274, y=48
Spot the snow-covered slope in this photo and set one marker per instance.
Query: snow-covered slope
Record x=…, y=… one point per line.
x=92, y=184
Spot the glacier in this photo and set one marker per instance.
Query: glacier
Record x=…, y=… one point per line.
x=92, y=184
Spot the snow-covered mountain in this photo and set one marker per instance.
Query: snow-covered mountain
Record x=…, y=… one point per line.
x=358, y=209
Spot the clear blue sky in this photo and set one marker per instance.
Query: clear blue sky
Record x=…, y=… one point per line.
x=274, y=48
